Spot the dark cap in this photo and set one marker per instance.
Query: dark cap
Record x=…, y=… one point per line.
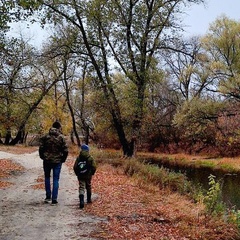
x=57, y=125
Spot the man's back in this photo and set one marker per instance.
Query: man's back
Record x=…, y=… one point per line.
x=53, y=147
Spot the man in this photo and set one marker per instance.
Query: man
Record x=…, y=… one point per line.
x=84, y=167
x=53, y=151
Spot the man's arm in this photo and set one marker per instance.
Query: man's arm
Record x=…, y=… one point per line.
x=41, y=149
x=64, y=151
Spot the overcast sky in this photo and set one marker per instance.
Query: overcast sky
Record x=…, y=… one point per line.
x=197, y=19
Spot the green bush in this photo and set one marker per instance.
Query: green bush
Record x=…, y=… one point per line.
x=212, y=200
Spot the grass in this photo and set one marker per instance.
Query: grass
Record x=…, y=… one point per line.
x=197, y=161
x=155, y=175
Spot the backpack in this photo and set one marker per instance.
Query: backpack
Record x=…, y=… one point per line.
x=83, y=167
x=50, y=147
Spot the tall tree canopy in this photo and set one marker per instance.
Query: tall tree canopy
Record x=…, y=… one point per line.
x=222, y=44
x=126, y=33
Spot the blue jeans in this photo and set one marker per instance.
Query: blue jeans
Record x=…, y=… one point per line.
x=56, y=167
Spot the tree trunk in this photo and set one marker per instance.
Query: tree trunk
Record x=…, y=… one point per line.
x=18, y=138
x=68, y=99
x=72, y=137
x=8, y=136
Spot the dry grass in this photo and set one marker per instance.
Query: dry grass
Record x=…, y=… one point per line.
x=224, y=164
x=233, y=162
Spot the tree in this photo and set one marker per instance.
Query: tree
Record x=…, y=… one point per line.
x=24, y=80
x=128, y=32
x=11, y=12
x=222, y=44
x=197, y=121
x=7, y=14
x=66, y=52
x=16, y=57
x=188, y=69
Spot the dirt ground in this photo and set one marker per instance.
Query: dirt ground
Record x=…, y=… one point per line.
x=25, y=216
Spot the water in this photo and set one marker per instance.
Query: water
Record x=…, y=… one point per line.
x=230, y=183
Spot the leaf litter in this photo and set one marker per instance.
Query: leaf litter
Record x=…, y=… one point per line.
x=136, y=211
x=7, y=169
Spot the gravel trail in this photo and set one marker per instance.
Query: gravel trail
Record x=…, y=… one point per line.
x=25, y=216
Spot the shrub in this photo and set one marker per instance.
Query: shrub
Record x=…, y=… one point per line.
x=157, y=175
x=212, y=200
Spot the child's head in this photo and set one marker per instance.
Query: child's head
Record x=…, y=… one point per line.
x=84, y=147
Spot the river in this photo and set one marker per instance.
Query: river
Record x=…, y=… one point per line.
x=230, y=182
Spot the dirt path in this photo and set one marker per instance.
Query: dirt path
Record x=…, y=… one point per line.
x=25, y=216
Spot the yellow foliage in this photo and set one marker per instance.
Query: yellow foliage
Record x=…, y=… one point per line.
x=52, y=111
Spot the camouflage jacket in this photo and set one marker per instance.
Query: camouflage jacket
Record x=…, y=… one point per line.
x=84, y=155
x=53, y=147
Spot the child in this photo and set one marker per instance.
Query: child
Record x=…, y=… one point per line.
x=84, y=168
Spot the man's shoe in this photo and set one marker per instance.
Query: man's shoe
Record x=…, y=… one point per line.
x=47, y=200
x=54, y=202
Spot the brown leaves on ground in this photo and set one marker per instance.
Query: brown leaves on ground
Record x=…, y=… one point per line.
x=137, y=211
x=7, y=169
x=39, y=183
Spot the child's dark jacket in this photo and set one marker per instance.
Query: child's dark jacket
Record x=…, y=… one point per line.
x=84, y=155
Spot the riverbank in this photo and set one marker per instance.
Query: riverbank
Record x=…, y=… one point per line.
x=218, y=164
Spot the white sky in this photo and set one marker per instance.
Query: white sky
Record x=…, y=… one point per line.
x=199, y=16
x=197, y=20
x=31, y=32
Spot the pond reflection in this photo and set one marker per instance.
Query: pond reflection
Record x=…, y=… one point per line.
x=230, y=183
